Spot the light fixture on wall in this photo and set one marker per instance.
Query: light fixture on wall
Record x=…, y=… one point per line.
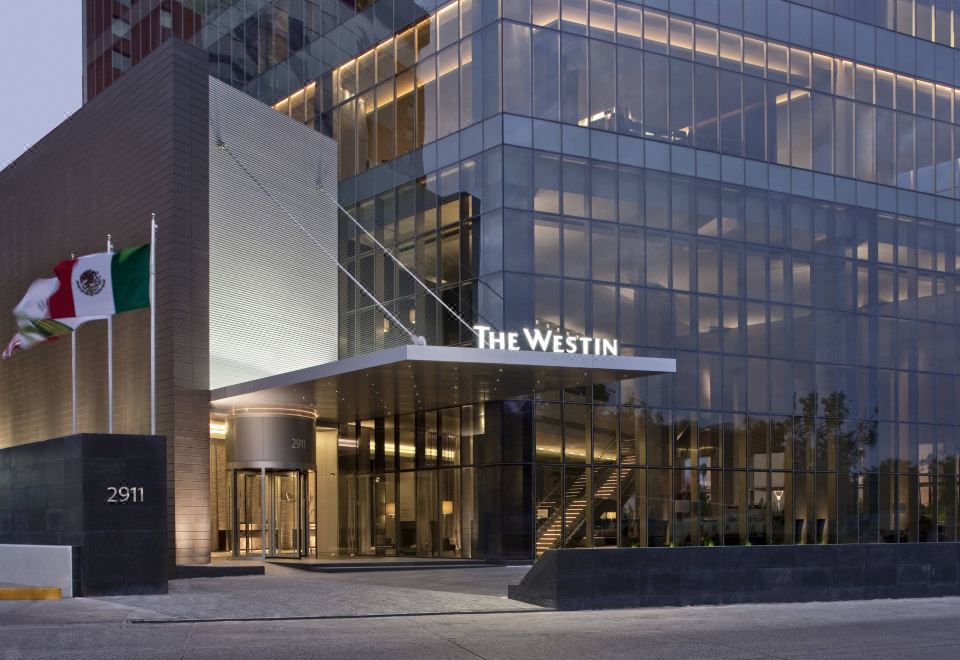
x=391, y=509
x=447, y=507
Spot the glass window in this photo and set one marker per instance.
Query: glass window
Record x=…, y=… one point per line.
x=546, y=242
x=574, y=14
x=633, y=508
x=605, y=434
x=427, y=102
x=450, y=436
x=603, y=91
x=448, y=24
x=659, y=508
x=603, y=189
x=629, y=91
x=547, y=303
x=655, y=102
x=731, y=107
x=630, y=25
x=546, y=74
x=427, y=515
x=655, y=32
x=777, y=62
x=471, y=81
x=549, y=507
x=576, y=248
x=681, y=102
x=574, y=82
x=707, y=45
x=630, y=196
x=753, y=118
x=516, y=69
x=575, y=306
x=754, y=57
x=865, y=142
x=731, y=50
x=800, y=129
x=546, y=179
x=681, y=38
x=631, y=245
x=604, y=250
x=632, y=436
x=577, y=489
x=575, y=187
x=548, y=427
x=706, y=114
x=450, y=508
x=546, y=13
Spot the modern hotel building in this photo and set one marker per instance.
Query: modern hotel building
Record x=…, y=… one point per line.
x=764, y=191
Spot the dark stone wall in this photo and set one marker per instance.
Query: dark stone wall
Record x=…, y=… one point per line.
x=654, y=577
x=55, y=493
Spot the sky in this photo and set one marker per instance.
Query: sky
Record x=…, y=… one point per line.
x=42, y=74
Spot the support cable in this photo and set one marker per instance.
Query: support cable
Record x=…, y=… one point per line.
x=414, y=338
x=399, y=263
x=416, y=279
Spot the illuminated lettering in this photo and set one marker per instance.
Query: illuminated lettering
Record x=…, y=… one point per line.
x=544, y=340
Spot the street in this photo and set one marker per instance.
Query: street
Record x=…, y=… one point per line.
x=449, y=614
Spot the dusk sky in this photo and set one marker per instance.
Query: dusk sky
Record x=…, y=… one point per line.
x=40, y=47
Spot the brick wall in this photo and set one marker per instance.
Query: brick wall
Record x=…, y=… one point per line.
x=140, y=147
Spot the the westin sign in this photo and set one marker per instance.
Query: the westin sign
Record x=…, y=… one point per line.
x=544, y=340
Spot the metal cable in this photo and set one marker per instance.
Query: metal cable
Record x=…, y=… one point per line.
x=398, y=262
x=416, y=339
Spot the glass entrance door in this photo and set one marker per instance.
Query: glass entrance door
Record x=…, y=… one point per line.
x=249, y=516
x=269, y=514
x=286, y=515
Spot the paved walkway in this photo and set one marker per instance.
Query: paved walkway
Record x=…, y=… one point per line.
x=102, y=627
x=292, y=593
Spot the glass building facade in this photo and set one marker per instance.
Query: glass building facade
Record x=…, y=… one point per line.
x=764, y=190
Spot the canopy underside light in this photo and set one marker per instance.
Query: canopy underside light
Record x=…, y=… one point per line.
x=410, y=378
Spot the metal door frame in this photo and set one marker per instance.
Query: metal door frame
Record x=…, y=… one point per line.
x=268, y=542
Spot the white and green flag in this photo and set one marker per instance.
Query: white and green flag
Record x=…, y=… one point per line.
x=87, y=288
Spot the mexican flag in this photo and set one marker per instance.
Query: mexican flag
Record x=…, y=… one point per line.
x=88, y=288
x=102, y=284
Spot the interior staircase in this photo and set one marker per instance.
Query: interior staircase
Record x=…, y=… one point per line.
x=574, y=516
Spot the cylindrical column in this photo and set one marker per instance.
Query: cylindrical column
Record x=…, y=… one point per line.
x=272, y=439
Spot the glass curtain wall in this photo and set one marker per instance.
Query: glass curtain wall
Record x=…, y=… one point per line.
x=643, y=73
x=520, y=165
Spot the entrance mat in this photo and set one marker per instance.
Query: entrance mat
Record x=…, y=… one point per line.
x=187, y=571
x=372, y=566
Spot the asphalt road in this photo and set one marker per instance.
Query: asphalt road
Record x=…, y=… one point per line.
x=414, y=615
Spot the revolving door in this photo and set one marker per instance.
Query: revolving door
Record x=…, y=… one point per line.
x=271, y=513
x=271, y=462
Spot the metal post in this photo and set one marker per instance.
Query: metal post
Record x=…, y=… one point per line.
x=153, y=324
x=235, y=513
x=263, y=512
x=73, y=381
x=109, y=359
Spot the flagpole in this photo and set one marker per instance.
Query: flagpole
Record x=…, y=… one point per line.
x=73, y=381
x=73, y=376
x=109, y=359
x=153, y=324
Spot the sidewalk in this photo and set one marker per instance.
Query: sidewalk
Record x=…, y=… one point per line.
x=292, y=593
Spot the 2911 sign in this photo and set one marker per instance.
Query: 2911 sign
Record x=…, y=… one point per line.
x=124, y=494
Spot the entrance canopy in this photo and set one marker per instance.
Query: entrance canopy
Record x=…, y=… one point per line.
x=410, y=378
